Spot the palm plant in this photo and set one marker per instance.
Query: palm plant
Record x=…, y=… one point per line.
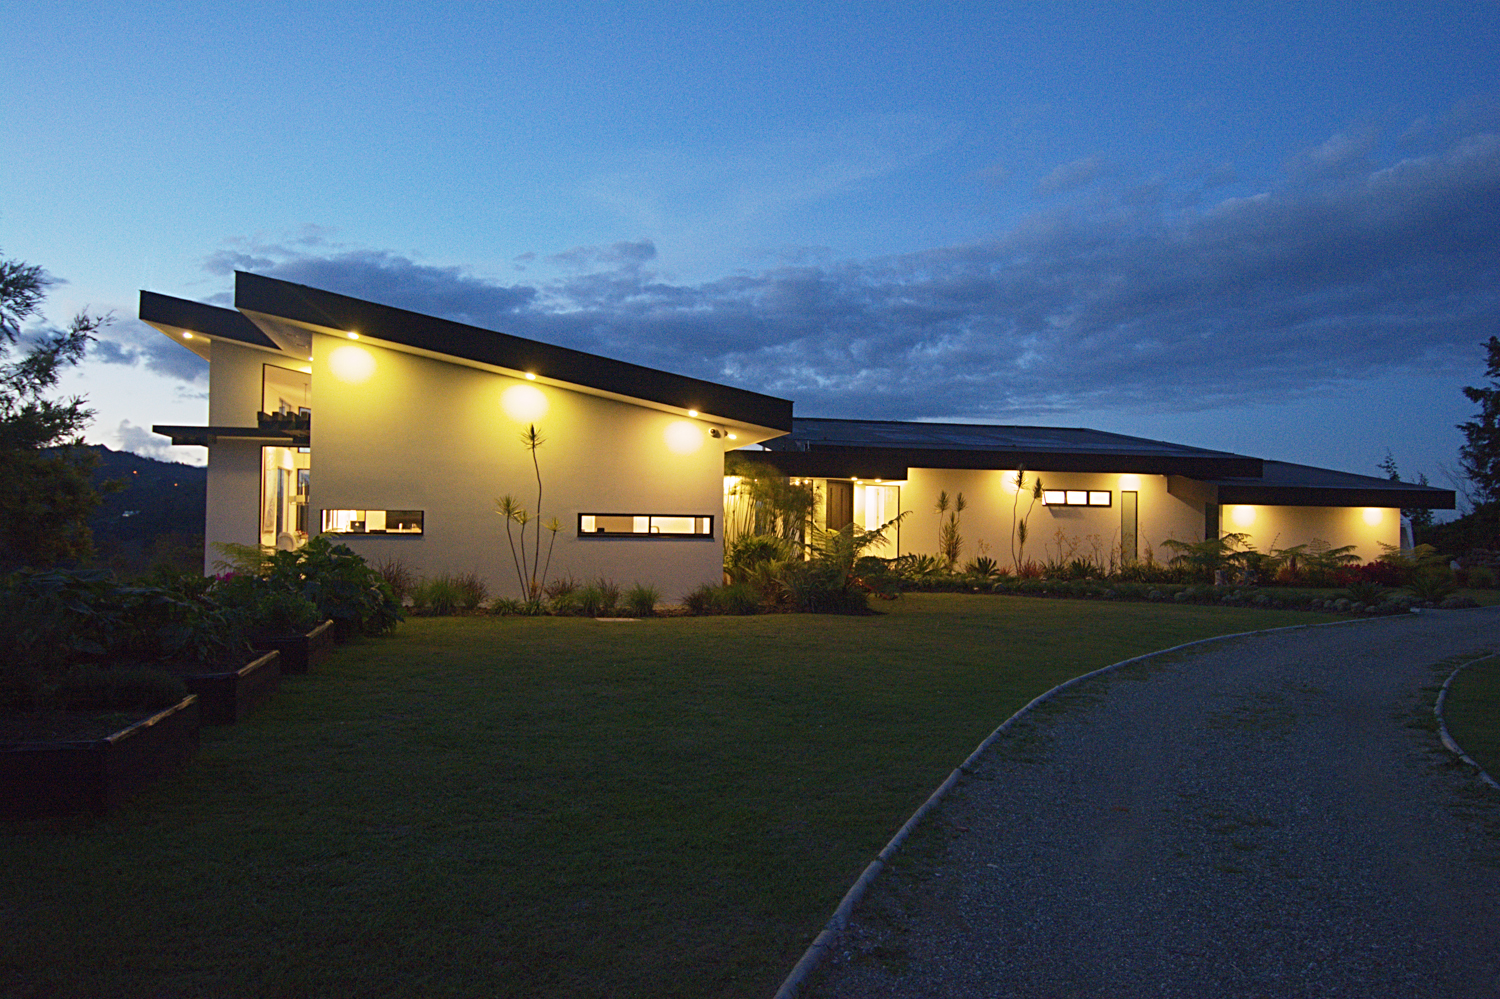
x=950, y=542
x=1018, y=530
x=530, y=572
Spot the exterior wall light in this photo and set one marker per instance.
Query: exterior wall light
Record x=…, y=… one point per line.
x=354, y=336
x=734, y=437
x=693, y=413
x=1374, y=515
x=530, y=377
x=683, y=437
x=187, y=336
x=524, y=403
x=1243, y=516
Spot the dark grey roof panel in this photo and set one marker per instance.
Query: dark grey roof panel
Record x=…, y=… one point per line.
x=326, y=309
x=225, y=324
x=1041, y=449
x=1282, y=483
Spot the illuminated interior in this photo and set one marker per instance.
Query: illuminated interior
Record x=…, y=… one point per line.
x=644, y=524
x=373, y=521
x=1076, y=497
x=876, y=505
x=285, y=472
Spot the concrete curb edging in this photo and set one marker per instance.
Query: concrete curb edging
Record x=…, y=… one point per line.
x=792, y=985
x=1443, y=733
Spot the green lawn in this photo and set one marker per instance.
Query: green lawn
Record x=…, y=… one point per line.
x=547, y=807
x=1472, y=712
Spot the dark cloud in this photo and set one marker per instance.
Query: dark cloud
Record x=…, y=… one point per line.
x=1128, y=304
x=130, y=342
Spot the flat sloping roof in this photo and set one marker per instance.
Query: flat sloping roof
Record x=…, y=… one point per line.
x=840, y=448
x=1282, y=483
x=312, y=308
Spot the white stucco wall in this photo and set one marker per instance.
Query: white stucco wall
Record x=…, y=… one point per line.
x=1271, y=527
x=234, y=398
x=990, y=499
x=396, y=431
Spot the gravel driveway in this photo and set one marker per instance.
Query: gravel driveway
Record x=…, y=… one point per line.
x=1265, y=816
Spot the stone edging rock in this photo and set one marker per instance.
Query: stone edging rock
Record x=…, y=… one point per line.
x=1447, y=737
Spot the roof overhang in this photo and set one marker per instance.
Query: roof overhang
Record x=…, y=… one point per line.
x=288, y=314
x=206, y=436
x=892, y=463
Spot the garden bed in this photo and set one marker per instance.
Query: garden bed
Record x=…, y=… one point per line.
x=48, y=776
x=299, y=653
x=228, y=696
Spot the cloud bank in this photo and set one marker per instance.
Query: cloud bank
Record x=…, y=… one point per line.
x=1133, y=298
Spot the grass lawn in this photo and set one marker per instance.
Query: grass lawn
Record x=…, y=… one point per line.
x=547, y=807
x=1472, y=712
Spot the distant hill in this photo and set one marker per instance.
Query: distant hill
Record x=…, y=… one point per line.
x=156, y=518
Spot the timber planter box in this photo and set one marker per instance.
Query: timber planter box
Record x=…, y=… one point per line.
x=95, y=775
x=299, y=653
x=226, y=697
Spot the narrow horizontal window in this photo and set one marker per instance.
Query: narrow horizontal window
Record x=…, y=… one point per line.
x=594, y=525
x=1076, y=497
x=372, y=521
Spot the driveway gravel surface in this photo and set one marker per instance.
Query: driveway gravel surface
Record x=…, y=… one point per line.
x=1271, y=815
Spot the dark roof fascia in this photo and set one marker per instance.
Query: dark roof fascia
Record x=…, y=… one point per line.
x=846, y=463
x=210, y=320
x=1254, y=494
x=204, y=436
x=827, y=464
x=331, y=311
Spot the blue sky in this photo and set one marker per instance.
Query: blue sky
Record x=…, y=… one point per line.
x=1268, y=228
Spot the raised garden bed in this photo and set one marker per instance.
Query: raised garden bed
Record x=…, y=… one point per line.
x=299, y=653
x=228, y=696
x=94, y=775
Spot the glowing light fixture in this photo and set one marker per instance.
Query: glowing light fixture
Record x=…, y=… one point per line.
x=530, y=377
x=1130, y=483
x=524, y=403
x=1243, y=516
x=734, y=437
x=693, y=413
x=351, y=364
x=683, y=437
x=187, y=336
x=354, y=336
x=1374, y=515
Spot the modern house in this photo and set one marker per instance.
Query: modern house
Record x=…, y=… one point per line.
x=419, y=425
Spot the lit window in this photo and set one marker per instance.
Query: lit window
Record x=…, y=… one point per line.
x=637, y=525
x=372, y=521
x=1077, y=497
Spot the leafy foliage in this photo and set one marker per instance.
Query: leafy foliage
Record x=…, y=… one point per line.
x=763, y=501
x=332, y=576
x=1480, y=455
x=45, y=491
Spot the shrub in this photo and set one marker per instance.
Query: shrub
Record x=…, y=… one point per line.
x=439, y=596
x=641, y=600
x=396, y=574
x=749, y=552
x=1365, y=592
x=1433, y=583
x=984, y=567
x=737, y=598
x=597, y=599
x=701, y=600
